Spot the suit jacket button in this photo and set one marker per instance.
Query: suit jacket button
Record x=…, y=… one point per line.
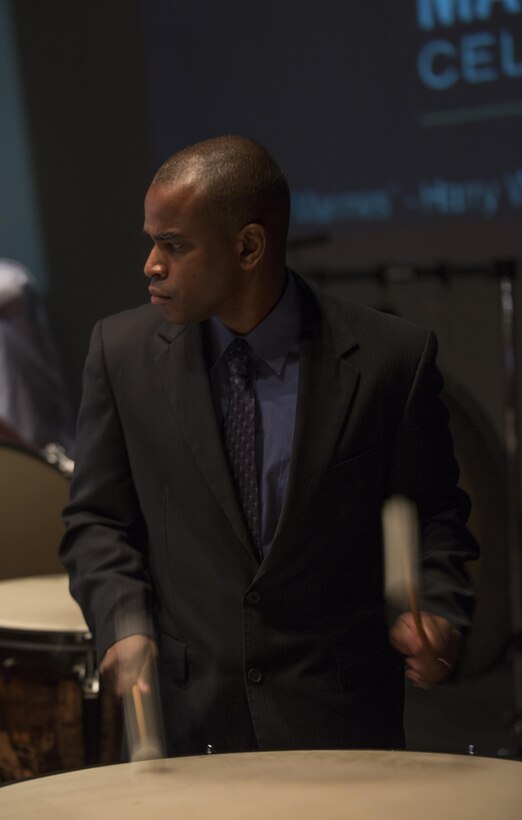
x=255, y=675
x=253, y=598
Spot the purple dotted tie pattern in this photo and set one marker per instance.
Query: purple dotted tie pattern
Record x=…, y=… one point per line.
x=240, y=433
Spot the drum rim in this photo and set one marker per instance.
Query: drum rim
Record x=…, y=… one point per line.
x=30, y=451
x=65, y=640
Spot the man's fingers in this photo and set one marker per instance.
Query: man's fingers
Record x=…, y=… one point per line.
x=426, y=666
x=404, y=636
x=416, y=679
x=143, y=680
x=128, y=662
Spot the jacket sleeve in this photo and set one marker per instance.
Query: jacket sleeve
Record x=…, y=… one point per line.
x=104, y=548
x=425, y=470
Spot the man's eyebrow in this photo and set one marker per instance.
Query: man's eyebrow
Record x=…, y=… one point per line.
x=165, y=236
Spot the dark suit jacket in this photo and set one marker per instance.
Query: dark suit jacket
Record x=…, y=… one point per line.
x=292, y=653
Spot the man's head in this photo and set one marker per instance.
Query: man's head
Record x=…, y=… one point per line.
x=241, y=182
x=218, y=215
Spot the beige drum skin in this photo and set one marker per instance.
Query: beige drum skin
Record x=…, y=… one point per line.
x=304, y=785
x=40, y=604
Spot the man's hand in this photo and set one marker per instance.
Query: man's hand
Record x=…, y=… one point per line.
x=127, y=662
x=426, y=666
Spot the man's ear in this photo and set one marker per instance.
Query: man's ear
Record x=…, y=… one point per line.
x=252, y=242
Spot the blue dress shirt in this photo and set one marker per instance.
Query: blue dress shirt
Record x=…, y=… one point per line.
x=275, y=343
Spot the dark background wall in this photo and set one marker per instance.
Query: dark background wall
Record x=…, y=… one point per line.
x=85, y=93
x=111, y=88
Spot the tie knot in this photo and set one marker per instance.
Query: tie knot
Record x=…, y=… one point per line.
x=239, y=356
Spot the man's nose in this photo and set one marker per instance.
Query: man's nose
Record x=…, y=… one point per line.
x=154, y=266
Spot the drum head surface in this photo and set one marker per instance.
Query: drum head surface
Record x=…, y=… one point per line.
x=309, y=785
x=42, y=604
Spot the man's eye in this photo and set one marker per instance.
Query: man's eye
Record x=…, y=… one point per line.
x=174, y=247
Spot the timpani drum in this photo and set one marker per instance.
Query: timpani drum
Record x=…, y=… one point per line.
x=335, y=785
x=34, y=493
x=52, y=717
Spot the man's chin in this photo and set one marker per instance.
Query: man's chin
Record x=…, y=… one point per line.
x=176, y=315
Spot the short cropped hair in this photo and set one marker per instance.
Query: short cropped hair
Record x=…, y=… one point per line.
x=241, y=180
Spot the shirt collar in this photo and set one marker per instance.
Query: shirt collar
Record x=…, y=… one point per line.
x=272, y=339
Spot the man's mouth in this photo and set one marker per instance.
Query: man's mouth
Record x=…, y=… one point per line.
x=157, y=297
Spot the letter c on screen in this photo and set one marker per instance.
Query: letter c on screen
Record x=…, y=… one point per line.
x=438, y=80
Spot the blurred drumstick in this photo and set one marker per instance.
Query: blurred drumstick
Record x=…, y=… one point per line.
x=141, y=698
x=140, y=714
x=142, y=728
x=401, y=559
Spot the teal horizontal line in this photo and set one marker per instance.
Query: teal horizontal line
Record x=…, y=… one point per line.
x=457, y=116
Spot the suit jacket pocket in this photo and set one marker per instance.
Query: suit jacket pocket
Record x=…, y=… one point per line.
x=173, y=656
x=369, y=455
x=359, y=474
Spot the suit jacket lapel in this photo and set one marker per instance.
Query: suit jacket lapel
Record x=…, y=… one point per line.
x=182, y=370
x=327, y=386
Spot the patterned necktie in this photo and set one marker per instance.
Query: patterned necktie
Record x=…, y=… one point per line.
x=240, y=433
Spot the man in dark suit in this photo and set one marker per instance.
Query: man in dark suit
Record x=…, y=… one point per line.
x=264, y=608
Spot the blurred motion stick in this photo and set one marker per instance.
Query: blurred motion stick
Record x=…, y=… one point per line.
x=401, y=558
x=141, y=701
x=140, y=715
x=141, y=723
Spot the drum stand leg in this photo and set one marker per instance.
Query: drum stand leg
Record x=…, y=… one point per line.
x=90, y=684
